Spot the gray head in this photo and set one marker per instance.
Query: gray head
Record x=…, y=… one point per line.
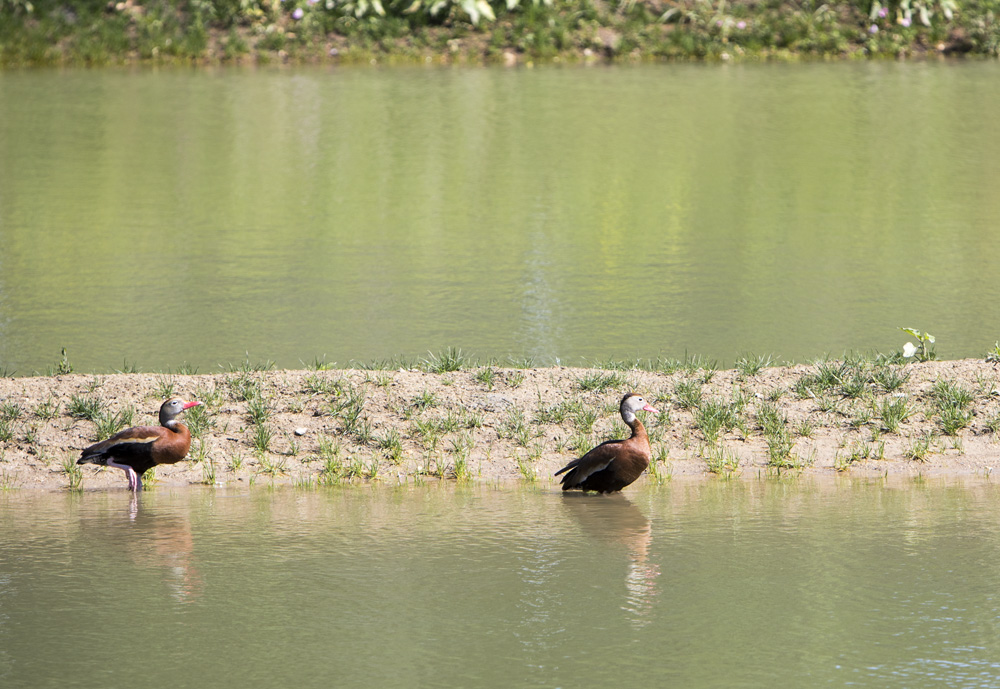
x=172, y=408
x=631, y=403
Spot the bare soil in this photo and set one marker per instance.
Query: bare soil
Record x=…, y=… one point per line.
x=496, y=424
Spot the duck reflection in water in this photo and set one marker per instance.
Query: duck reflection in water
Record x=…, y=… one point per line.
x=163, y=541
x=615, y=520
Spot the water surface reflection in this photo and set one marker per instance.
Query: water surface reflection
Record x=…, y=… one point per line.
x=703, y=584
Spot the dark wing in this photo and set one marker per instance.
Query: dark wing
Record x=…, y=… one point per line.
x=136, y=442
x=596, y=460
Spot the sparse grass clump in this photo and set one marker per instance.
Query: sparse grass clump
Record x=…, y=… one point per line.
x=74, y=474
x=713, y=417
x=598, y=381
x=198, y=421
x=316, y=384
x=750, y=365
x=893, y=412
x=721, y=461
x=392, y=444
x=485, y=376
x=6, y=430
x=11, y=411
x=109, y=423
x=262, y=436
x=687, y=393
x=451, y=359
x=425, y=400
x=49, y=409
x=951, y=401
x=920, y=447
x=81, y=407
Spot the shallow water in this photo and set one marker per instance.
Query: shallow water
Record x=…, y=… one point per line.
x=701, y=584
x=157, y=217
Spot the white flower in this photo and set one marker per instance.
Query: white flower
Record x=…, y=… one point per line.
x=909, y=349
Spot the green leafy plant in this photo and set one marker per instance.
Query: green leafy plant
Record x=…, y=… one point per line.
x=924, y=351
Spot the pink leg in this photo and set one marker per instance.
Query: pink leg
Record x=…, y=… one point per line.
x=133, y=478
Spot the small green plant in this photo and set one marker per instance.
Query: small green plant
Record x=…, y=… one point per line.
x=49, y=409
x=392, y=444
x=63, y=367
x=425, y=400
x=528, y=472
x=924, y=351
x=198, y=452
x=109, y=423
x=198, y=421
x=779, y=451
x=451, y=359
x=258, y=410
x=515, y=379
x=11, y=410
x=945, y=393
x=515, y=427
x=953, y=419
x=332, y=472
x=485, y=376
x=769, y=419
x=84, y=407
x=316, y=384
x=714, y=417
x=687, y=393
x=805, y=428
x=584, y=419
x=599, y=381
x=247, y=367
x=462, y=449
x=893, y=412
x=6, y=430
x=920, y=447
x=128, y=367
x=208, y=472
x=659, y=465
x=73, y=473
x=721, y=461
x=243, y=387
x=262, y=437
x=993, y=355
x=321, y=364
x=272, y=466
x=210, y=397
x=31, y=437
x=750, y=365
x=890, y=378
x=164, y=387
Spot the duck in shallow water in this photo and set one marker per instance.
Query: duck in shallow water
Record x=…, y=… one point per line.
x=137, y=450
x=614, y=464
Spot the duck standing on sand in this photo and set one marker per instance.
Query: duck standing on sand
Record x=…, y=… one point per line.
x=137, y=450
x=614, y=464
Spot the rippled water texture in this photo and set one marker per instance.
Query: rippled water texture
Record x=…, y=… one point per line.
x=707, y=584
x=168, y=216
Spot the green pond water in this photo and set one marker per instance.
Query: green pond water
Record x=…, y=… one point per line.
x=701, y=584
x=168, y=216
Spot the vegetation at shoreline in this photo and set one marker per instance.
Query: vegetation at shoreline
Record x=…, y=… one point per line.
x=449, y=417
x=100, y=32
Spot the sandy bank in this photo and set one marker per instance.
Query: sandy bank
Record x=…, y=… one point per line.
x=500, y=424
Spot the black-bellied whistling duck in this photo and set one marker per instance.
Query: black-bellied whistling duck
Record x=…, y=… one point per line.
x=137, y=450
x=614, y=464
